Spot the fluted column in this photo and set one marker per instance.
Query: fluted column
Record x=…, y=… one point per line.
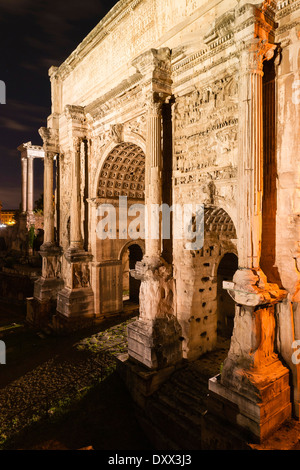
x=253, y=376
x=76, y=241
x=24, y=183
x=48, y=199
x=250, y=170
x=153, y=175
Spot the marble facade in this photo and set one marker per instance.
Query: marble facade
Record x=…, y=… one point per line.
x=178, y=101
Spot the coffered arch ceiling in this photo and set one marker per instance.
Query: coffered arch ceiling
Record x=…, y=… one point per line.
x=216, y=220
x=123, y=173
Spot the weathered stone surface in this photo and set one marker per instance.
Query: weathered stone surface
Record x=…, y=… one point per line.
x=184, y=102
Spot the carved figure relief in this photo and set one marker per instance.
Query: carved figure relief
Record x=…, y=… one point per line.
x=81, y=275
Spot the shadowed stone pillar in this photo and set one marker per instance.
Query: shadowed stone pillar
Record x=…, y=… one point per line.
x=154, y=339
x=254, y=385
x=48, y=285
x=75, y=303
x=48, y=199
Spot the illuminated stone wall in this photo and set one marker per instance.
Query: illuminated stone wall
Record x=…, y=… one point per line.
x=185, y=101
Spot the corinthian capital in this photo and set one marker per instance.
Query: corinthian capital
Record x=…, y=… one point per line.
x=154, y=102
x=254, y=53
x=50, y=139
x=76, y=143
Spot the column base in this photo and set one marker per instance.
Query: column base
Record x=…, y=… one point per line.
x=256, y=418
x=39, y=314
x=156, y=343
x=75, y=310
x=75, y=303
x=254, y=384
x=46, y=290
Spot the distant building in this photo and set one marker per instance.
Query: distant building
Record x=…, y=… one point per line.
x=8, y=217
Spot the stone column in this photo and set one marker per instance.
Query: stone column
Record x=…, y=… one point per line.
x=28, y=153
x=76, y=241
x=48, y=285
x=250, y=170
x=24, y=183
x=30, y=183
x=153, y=175
x=48, y=199
x=253, y=380
x=75, y=303
x=154, y=340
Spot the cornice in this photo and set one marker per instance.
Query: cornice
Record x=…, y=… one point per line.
x=103, y=29
x=122, y=92
x=286, y=7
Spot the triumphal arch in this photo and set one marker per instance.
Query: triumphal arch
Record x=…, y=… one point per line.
x=183, y=102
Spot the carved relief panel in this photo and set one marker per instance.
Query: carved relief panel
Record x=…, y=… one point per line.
x=205, y=141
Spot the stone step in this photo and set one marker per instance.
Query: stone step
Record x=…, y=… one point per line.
x=186, y=410
x=182, y=430
x=184, y=397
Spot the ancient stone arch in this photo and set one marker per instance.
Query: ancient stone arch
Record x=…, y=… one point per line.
x=121, y=172
x=140, y=243
x=185, y=123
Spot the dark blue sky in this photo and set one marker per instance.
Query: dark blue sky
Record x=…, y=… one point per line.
x=34, y=34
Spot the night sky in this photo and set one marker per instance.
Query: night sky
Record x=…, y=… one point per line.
x=34, y=35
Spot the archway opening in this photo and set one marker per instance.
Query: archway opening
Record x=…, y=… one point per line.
x=225, y=304
x=131, y=286
x=121, y=187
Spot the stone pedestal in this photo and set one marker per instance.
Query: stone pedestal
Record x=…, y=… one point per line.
x=253, y=389
x=259, y=415
x=155, y=338
x=43, y=304
x=75, y=302
x=139, y=380
x=155, y=343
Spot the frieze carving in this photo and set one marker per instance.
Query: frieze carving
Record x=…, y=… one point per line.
x=206, y=123
x=116, y=133
x=203, y=177
x=51, y=267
